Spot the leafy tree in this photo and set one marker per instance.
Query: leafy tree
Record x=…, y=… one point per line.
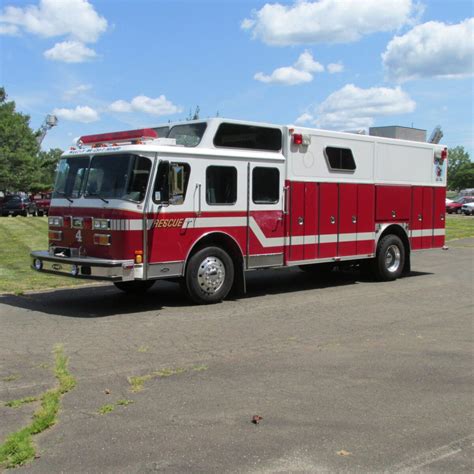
x=460, y=169
x=45, y=164
x=18, y=148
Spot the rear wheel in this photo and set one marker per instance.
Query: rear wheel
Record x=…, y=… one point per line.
x=209, y=275
x=134, y=287
x=390, y=258
x=40, y=213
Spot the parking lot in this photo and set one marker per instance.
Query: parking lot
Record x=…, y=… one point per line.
x=349, y=375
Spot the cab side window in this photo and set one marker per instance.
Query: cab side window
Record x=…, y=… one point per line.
x=265, y=185
x=221, y=185
x=171, y=183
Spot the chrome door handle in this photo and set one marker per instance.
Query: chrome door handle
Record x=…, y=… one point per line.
x=354, y=219
x=300, y=221
x=332, y=219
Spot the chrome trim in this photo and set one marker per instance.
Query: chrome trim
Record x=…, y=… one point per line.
x=86, y=267
x=381, y=227
x=331, y=259
x=265, y=260
x=165, y=269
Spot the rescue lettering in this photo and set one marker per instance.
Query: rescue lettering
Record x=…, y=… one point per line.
x=162, y=223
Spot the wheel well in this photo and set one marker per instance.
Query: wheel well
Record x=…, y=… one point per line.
x=224, y=241
x=397, y=230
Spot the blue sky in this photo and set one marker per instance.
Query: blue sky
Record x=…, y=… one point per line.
x=103, y=65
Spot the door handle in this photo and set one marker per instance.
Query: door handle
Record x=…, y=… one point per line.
x=332, y=219
x=300, y=221
x=420, y=217
x=354, y=219
x=198, y=190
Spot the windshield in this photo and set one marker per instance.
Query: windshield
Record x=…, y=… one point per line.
x=122, y=176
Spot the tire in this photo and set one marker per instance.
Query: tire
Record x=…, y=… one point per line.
x=40, y=213
x=390, y=258
x=134, y=287
x=458, y=211
x=24, y=213
x=209, y=275
x=318, y=268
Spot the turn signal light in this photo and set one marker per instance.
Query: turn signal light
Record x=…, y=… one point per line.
x=102, y=239
x=138, y=256
x=55, y=235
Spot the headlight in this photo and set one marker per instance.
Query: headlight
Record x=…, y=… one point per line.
x=55, y=221
x=38, y=264
x=101, y=224
x=74, y=270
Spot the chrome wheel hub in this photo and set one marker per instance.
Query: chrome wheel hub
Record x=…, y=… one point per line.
x=211, y=275
x=392, y=258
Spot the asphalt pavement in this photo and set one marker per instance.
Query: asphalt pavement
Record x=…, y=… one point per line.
x=349, y=375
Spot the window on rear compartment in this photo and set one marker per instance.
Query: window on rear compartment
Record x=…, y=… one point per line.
x=234, y=135
x=265, y=185
x=221, y=185
x=340, y=159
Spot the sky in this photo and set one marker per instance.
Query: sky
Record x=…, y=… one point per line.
x=110, y=65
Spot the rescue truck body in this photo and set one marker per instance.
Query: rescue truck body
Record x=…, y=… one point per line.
x=206, y=201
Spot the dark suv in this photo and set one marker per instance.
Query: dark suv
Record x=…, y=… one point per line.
x=14, y=205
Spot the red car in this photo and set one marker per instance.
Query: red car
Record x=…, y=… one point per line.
x=455, y=206
x=43, y=201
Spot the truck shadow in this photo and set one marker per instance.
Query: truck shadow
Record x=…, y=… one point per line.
x=106, y=300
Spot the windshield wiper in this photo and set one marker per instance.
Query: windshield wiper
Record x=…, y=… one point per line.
x=99, y=196
x=62, y=193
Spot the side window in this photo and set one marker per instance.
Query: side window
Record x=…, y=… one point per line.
x=340, y=159
x=265, y=185
x=221, y=185
x=171, y=183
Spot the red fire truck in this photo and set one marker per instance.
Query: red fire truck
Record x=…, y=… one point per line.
x=205, y=201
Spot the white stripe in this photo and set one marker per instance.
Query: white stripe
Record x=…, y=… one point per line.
x=327, y=238
x=427, y=232
x=439, y=232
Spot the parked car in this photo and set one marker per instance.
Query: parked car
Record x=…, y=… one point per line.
x=43, y=201
x=468, y=209
x=18, y=205
x=455, y=206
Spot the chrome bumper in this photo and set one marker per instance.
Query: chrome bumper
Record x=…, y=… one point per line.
x=84, y=267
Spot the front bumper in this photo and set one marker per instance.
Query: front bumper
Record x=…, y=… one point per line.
x=84, y=267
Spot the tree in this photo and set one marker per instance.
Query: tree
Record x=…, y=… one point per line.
x=460, y=169
x=45, y=165
x=18, y=148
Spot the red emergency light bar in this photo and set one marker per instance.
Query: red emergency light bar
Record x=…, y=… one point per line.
x=129, y=135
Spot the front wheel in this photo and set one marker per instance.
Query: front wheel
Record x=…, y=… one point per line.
x=134, y=287
x=390, y=258
x=209, y=275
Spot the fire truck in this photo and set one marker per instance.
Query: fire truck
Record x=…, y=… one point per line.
x=205, y=201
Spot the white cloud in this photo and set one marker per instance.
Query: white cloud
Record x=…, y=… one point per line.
x=353, y=107
x=82, y=114
x=301, y=72
x=9, y=30
x=75, y=91
x=158, y=106
x=327, y=21
x=288, y=76
x=305, y=118
x=76, y=19
x=120, y=106
x=307, y=63
x=70, y=52
x=334, y=68
x=433, y=49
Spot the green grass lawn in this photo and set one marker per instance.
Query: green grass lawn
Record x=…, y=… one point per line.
x=20, y=235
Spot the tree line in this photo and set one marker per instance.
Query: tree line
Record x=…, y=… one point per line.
x=24, y=167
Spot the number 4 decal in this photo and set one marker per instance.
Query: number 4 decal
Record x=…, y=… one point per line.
x=79, y=236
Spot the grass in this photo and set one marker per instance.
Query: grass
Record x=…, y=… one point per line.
x=18, y=447
x=137, y=383
x=20, y=401
x=10, y=378
x=459, y=227
x=20, y=235
x=124, y=402
x=106, y=409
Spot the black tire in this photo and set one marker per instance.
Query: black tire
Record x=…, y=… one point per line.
x=390, y=258
x=318, y=268
x=209, y=275
x=40, y=213
x=24, y=213
x=134, y=287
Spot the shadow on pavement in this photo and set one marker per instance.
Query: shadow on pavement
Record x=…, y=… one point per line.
x=104, y=301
